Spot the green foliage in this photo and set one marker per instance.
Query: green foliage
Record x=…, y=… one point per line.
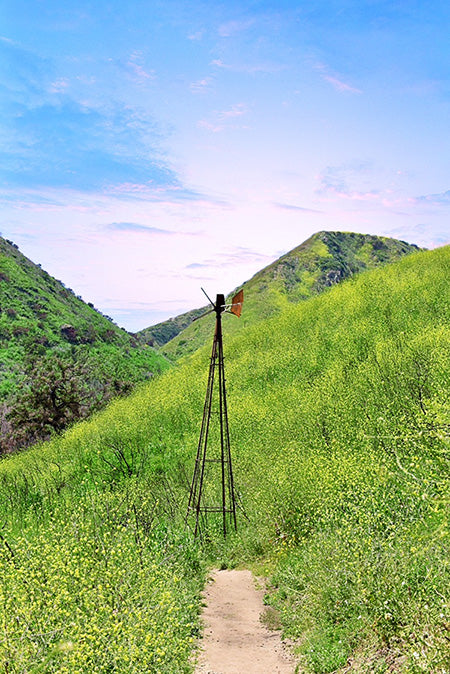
x=59, y=388
x=339, y=427
x=43, y=322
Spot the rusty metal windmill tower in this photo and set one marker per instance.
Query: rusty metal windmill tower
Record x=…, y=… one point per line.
x=212, y=488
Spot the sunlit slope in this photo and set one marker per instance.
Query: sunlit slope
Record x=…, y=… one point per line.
x=37, y=312
x=323, y=260
x=339, y=421
x=34, y=305
x=54, y=344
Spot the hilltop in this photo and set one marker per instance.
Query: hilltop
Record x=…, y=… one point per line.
x=323, y=260
x=338, y=409
x=43, y=322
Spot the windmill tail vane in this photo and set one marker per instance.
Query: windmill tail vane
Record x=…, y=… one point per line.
x=236, y=304
x=212, y=489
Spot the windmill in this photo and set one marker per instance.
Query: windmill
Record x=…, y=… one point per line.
x=212, y=488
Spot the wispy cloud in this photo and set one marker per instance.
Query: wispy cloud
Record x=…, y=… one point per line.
x=140, y=229
x=135, y=65
x=222, y=119
x=197, y=36
x=149, y=191
x=439, y=198
x=59, y=86
x=201, y=86
x=421, y=234
x=26, y=76
x=233, y=256
x=335, y=79
x=340, y=85
x=220, y=64
x=236, y=110
x=250, y=69
x=198, y=265
x=66, y=144
x=231, y=28
x=339, y=181
x=55, y=140
x=210, y=126
x=292, y=207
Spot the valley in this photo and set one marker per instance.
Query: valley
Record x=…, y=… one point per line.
x=338, y=407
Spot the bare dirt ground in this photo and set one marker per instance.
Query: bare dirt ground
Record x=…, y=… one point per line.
x=235, y=641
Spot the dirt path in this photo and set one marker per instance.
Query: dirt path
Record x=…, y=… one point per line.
x=235, y=640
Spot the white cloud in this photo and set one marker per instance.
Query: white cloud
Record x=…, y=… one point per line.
x=336, y=80
x=201, y=86
x=135, y=65
x=209, y=126
x=236, y=110
x=59, y=86
x=134, y=227
x=340, y=85
x=196, y=36
x=292, y=207
x=439, y=198
x=250, y=69
x=223, y=118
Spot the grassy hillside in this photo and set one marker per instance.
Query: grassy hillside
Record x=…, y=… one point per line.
x=339, y=421
x=317, y=264
x=42, y=321
x=161, y=333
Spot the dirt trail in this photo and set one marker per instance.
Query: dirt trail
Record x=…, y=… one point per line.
x=235, y=641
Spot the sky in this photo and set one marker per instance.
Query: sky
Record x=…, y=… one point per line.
x=151, y=148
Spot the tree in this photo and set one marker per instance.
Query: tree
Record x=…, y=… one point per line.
x=56, y=391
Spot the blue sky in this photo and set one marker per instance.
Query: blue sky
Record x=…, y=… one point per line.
x=150, y=148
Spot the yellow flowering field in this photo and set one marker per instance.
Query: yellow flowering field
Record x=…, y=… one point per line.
x=339, y=419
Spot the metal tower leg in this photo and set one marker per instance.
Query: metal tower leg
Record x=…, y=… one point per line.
x=196, y=497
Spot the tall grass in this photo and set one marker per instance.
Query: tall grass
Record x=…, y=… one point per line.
x=339, y=423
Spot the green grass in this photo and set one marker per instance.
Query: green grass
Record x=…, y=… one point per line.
x=339, y=422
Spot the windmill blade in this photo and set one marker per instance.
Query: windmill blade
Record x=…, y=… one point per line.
x=207, y=297
x=236, y=303
x=201, y=316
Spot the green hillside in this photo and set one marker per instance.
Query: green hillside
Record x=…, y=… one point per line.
x=339, y=422
x=161, y=333
x=317, y=264
x=43, y=324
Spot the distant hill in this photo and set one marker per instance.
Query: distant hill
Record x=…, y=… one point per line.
x=325, y=259
x=161, y=333
x=41, y=320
